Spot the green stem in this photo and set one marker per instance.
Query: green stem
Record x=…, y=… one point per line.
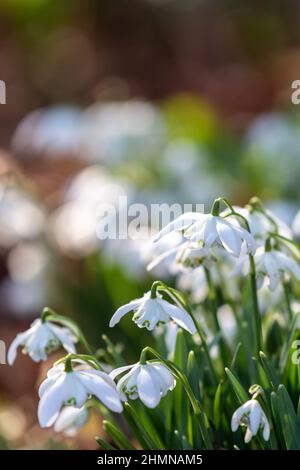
x=286, y=289
x=257, y=316
x=214, y=310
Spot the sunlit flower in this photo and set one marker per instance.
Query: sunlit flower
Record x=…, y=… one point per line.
x=41, y=339
x=70, y=420
x=149, y=382
x=212, y=230
x=263, y=223
x=74, y=388
x=275, y=265
x=252, y=416
x=150, y=312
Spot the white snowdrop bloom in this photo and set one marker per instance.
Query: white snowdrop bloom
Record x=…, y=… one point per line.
x=150, y=312
x=212, y=230
x=261, y=224
x=149, y=382
x=296, y=225
x=41, y=339
x=73, y=388
x=251, y=415
x=275, y=265
x=70, y=420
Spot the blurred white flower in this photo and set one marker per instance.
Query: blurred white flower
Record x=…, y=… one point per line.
x=21, y=218
x=119, y=131
x=169, y=333
x=194, y=282
x=52, y=131
x=296, y=225
x=275, y=265
x=252, y=416
x=262, y=224
x=211, y=230
x=227, y=322
x=73, y=389
x=71, y=419
x=149, y=312
x=40, y=340
x=149, y=382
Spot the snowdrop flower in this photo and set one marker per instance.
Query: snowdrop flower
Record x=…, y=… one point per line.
x=41, y=339
x=275, y=264
x=73, y=387
x=251, y=415
x=150, y=312
x=212, y=230
x=262, y=223
x=149, y=382
x=70, y=420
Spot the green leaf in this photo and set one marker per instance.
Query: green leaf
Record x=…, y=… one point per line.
x=139, y=431
x=217, y=405
x=270, y=373
x=117, y=436
x=238, y=388
x=104, y=444
x=289, y=421
x=288, y=343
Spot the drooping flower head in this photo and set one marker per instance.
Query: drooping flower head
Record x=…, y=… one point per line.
x=72, y=388
x=150, y=312
x=212, y=230
x=275, y=265
x=41, y=339
x=251, y=416
x=149, y=382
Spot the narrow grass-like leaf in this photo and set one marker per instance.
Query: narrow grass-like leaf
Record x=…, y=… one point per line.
x=118, y=436
x=104, y=444
x=238, y=388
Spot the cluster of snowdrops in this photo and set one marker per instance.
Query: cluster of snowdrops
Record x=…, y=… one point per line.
x=197, y=387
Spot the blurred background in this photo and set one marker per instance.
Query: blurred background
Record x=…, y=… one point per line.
x=158, y=100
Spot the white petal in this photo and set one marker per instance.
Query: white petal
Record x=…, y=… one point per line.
x=71, y=418
x=181, y=223
x=166, y=377
x=48, y=383
x=249, y=239
x=134, y=304
x=64, y=336
x=237, y=415
x=229, y=237
x=179, y=315
x=148, y=389
x=19, y=340
x=290, y=264
x=248, y=435
x=51, y=402
x=210, y=233
x=266, y=430
x=254, y=417
x=99, y=387
x=113, y=374
x=162, y=257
